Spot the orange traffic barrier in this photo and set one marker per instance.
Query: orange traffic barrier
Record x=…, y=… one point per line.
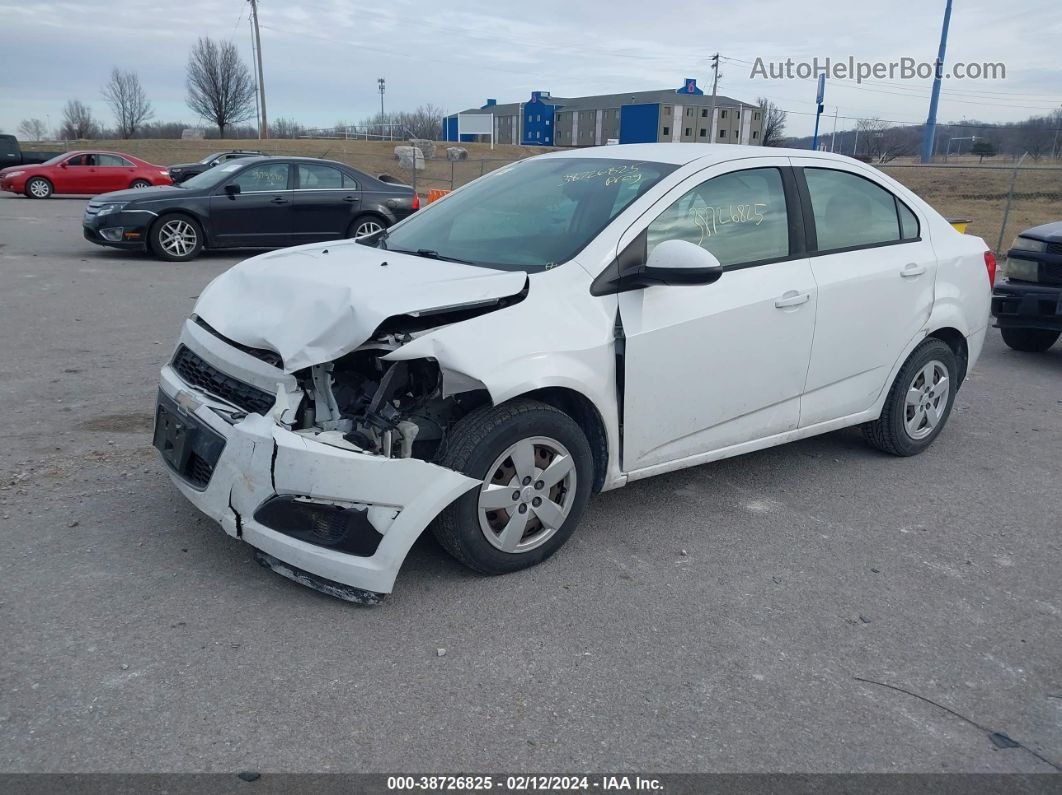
x=436, y=193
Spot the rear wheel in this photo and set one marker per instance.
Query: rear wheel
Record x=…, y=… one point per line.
x=177, y=238
x=140, y=183
x=1030, y=340
x=919, y=403
x=366, y=225
x=38, y=188
x=536, y=472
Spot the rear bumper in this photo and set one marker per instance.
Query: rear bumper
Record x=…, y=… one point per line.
x=1027, y=305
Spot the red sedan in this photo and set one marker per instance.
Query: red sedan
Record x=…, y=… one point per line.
x=83, y=172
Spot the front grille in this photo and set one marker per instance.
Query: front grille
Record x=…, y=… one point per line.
x=262, y=354
x=199, y=373
x=91, y=210
x=1054, y=248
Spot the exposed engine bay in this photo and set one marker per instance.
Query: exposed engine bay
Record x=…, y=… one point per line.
x=395, y=409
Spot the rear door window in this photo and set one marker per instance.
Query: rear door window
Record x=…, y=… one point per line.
x=851, y=211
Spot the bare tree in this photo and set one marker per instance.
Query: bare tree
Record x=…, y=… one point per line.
x=220, y=87
x=773, y=122
x=34, y=129
x=128, y=102
x=285, y=128
x=77, y=121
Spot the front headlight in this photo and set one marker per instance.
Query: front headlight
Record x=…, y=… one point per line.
x=1028, y=244
x=1022, y=270
x=14, y=174
x=111, y=207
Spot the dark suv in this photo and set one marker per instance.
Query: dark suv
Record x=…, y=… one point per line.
x=1027, y=301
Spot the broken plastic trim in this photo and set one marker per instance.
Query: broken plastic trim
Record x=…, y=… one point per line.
x=347, y=593
x=426, y=319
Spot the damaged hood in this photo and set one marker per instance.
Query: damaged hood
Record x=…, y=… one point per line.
x=313, y=304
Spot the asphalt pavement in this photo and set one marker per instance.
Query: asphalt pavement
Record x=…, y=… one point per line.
x=818, y=607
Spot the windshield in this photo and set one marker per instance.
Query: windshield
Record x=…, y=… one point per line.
x=216, y=175
x=530, y=216
x=208, y=158
x=53, y=160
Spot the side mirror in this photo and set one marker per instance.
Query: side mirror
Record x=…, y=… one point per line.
x=676, y=262
x=64, y=164
x=232, y=189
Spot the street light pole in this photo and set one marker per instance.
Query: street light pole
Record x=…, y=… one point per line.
x=264, y=129
x=383, y=85
x=931, y=122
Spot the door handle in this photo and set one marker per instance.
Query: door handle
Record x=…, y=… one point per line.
x=911, y=269
x=278, y=200
x=792, y=298
x=350, y=199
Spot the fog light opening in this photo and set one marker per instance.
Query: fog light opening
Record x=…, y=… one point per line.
x=112, y=233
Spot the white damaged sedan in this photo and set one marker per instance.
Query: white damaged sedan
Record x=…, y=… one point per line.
x=563, y=326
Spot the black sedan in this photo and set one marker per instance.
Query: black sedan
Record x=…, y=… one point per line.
x=185, y=171
x=249, y=203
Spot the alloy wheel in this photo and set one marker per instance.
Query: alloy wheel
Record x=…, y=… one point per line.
x=927, y=400
x=527, y=494
x=39, y=188
x=366, y=228
x=178, y=238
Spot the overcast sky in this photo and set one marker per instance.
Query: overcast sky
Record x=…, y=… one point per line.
x=322, y=57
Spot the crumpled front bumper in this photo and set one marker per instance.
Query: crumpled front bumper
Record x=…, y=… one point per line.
x=262, y=459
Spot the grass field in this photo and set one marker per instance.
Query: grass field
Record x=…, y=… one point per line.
x=956, y=190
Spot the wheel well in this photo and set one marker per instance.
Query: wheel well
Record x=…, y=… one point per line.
x=955, y=340
x=584, y=412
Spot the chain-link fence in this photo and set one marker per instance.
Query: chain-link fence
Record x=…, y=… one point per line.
x=999, y=200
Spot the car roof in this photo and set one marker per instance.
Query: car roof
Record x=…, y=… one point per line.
x=681, y=154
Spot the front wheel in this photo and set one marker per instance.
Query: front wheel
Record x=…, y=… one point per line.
x=177, y=238
x=536, y=472
x=140, y=183
x=1029, y=340
x=919, y=403
x=38, y=188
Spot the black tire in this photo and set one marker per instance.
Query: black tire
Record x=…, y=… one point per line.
x=43, y=187
x=140, y=183
x=1030, y=340
x=889, y=432
x=362, y=220
x=473, y=445
x=160, y=250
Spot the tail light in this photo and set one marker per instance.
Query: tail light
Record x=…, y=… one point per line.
x=990, y=264
x=416, y=206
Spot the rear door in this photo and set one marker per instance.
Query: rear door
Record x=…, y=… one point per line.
x=875, y=275
x=113, y=173
x=260, y=215
x=326, y=201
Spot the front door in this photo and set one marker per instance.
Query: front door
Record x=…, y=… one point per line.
x=326, y=202
x=708, y=367
x=260, y=215
x=875, y=275
x=77, y=174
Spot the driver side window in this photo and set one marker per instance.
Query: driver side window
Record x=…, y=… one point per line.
x=739, y=217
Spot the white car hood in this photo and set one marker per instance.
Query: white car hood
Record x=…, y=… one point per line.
x=313, y=304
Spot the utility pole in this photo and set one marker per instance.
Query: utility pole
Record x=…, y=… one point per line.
x=383, y=85
x=833, y=135
x=1058, y=127
x=931, y=123
x=263, y=130
x=711, y=108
